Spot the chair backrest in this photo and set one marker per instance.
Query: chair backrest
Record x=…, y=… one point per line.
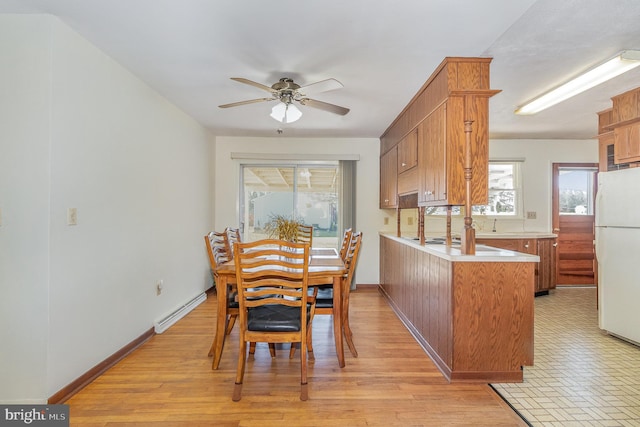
x=351, y=258
x=305, y=234
x=217, y=249
x=272, y=272
x=346, y=240
x=233, y=236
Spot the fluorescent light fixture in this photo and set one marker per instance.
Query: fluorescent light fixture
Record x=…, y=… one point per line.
x=285, y=112
x=623, y=62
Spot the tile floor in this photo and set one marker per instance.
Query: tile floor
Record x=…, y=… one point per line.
x=581, y=376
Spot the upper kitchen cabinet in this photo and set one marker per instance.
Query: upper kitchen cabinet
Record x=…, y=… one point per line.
x=619, y=132
x=434, y=122
x=389, y=179
x=407, y=164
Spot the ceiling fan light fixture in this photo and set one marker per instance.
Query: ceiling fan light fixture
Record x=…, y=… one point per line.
x=285, y=112
x=617, y=65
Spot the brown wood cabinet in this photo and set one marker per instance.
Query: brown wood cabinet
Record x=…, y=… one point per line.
x=545, y=248
x=389, y=179
x=407, y=164
x=619, y=132
x=429, y=135
x=474, y=319
x=627, y=143
x=408, y=152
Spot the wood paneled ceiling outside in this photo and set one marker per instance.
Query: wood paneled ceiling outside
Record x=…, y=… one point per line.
x=281, y=178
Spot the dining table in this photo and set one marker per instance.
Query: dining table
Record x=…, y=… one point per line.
x=326, y=267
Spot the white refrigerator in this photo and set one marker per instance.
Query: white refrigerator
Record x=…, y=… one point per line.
x=618, y=252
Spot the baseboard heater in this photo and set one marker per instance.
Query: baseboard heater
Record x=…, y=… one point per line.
x=168, y=321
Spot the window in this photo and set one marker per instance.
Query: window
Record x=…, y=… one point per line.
x=505, y=190
x=505, y=193
x=309, y=192
x=576, y=190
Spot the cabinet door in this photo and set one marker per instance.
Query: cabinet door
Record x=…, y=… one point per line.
x=432, y=167
x=547, y=267
x=389, y=179
x=408, y=151
x=627, y=143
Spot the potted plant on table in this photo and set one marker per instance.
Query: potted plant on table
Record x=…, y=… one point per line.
x=282, y=228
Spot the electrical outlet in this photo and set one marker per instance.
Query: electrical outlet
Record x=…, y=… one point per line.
x=532, y=215
x=386, y=220
x=410, y=220
x=159, y=284
x=72, y=216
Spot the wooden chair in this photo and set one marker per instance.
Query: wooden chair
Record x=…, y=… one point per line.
x=323, y=299
x=218, y=251
x=233, y=236
x=272, y=278
x=305, y=234
x=346, y=240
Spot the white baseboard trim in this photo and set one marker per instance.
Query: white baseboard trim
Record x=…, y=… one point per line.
x=168, y=321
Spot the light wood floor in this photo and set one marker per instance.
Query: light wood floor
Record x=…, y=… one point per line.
x=169, y=382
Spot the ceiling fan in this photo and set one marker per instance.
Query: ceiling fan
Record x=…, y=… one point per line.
x=287, y=91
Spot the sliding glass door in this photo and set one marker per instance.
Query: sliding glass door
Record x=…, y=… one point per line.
x=308, y=192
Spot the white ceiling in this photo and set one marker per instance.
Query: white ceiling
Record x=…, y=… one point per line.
x=382, y=51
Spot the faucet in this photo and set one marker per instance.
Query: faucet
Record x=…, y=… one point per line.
x=494, y=224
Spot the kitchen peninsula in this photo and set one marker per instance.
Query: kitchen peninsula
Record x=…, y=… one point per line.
x=473, y=314
x=470, y=307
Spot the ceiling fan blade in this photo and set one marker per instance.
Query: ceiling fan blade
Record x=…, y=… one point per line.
x=252, y=83
x=251, y=101
x=332, y=108
x=321, y=86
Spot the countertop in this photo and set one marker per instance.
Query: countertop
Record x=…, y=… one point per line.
x=453, y=253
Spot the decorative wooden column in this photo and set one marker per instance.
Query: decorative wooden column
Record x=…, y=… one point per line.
x=448, y=236
x=398, y=222
x=421, y=210
x=468, y=236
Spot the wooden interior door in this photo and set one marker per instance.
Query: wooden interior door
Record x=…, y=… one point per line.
x=574, y=187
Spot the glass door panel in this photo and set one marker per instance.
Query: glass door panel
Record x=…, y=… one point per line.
x=309, y=193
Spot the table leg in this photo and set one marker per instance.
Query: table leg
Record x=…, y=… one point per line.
x=337, y=318
x=221, y=320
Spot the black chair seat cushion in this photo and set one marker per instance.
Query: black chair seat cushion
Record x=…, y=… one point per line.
x=274, y=318
x=324, y=299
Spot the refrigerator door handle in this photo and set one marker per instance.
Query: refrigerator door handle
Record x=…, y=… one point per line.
x=598, y=202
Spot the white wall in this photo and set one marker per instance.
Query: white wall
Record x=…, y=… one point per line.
x=538, y=156
x=368, y=216
x=92, y=136
x=24, y=207
x=537, y=170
